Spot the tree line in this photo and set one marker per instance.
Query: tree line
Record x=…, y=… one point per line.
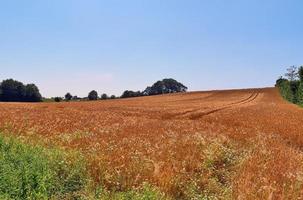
x=291, y=85
x=15, y=91
x=160, y=87
x=92, y=95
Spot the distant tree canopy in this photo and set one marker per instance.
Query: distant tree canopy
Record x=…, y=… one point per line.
x=165, y=86
x=15, y=91
x=93, y=95
x=129, y=93
x=12, y=90
x=104, y=96
x=58, y=99
x=68, y=96
x=76, y=98
x=160, y=87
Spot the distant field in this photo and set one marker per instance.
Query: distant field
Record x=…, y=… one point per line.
x=231, y=144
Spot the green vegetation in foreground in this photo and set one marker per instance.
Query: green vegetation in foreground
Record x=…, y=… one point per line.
x=31, y=172
x=34, y=172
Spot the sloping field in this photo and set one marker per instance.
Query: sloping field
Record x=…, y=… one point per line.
x=244, y=144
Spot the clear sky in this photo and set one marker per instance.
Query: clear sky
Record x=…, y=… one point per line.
x=110, y=46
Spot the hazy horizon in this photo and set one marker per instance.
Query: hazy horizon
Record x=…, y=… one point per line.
x=111, y=46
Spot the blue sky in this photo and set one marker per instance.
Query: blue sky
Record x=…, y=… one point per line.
x=76, y=46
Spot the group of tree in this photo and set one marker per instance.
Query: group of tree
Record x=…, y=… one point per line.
x=164, y=86
x=129, y=94
x=12, y=90
x=67, y=97
x=15, y=91
x=291, y=86
x=92, y=95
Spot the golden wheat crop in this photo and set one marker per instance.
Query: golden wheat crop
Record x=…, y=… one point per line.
x=243, y=144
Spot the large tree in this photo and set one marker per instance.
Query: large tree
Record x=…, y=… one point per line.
x=12, y=90
x=68, y=96
x=165, y=86
x=93, y=95
x=104, y=96
x=32, y=93
x=15, y=91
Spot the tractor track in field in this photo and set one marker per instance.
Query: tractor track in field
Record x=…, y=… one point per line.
x=250, y=99
x=198, y=113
